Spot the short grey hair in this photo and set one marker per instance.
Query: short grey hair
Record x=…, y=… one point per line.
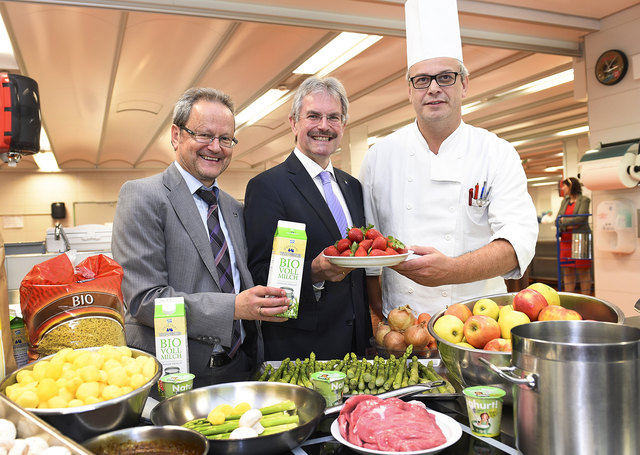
x=464, y=72
x=315, y=84
x=182, y=109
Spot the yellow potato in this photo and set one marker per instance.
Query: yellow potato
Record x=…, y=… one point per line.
x=24, y=376
x=111, y=363
x=92, y=400
x=82, y=360
x=27, y=399
x=126, y=389
x=241, y=408
x=88, y=389
x=111, y=391
x=117, y=376
x=137, y=380
x=75, y=403
x=89, y=373
x=47, y=388
x=57, y=402
x=216, y=417
x=124, y=351
x=40, y=369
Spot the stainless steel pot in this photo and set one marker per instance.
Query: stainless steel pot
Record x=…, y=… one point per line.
x=576, y=387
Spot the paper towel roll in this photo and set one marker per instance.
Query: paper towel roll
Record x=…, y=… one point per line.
x=607, y=174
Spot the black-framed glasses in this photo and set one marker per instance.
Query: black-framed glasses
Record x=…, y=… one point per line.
x=202, y=138
x=445, y=79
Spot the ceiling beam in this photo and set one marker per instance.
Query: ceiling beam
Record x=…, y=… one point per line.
x=363, y=21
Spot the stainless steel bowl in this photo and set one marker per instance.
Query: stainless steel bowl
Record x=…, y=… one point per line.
x=84, y=422
x=197, y=403
x=464, y=364
x=169, y=439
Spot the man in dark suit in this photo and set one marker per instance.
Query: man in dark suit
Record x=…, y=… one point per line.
x=161, y=237
x=333, y=315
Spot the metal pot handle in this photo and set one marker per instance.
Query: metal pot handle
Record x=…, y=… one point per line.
x=506, y=373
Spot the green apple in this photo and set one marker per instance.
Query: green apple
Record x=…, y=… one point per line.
x=449, y=328
x=552, y=296
x=486, y=307
x=509, y=320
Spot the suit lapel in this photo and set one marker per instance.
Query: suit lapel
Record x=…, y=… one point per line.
x=182, y=202
x=305, y=185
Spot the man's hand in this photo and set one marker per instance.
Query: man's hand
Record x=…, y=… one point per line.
x=434, y=268
x=261, y=303
x=323, y=270
x=431, y=268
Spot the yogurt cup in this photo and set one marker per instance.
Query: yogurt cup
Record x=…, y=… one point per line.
x=175, y=383
x=330, y=385
x=484, y=407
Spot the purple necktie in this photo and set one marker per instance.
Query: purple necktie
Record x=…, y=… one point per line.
x=333, y=203
x=221, y=255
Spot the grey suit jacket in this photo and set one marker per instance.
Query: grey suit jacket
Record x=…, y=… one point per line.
x=161, y=243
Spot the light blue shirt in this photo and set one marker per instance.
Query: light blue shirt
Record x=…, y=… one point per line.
x=193, y=184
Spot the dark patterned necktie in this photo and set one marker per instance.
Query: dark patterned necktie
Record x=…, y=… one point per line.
x=221, y=255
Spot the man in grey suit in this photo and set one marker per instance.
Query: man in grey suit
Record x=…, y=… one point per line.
x=161, y=238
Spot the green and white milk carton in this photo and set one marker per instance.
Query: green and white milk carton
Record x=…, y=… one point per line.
x=287, y=262
x=170, y=323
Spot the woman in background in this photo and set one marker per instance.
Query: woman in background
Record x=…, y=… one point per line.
x=574, y=203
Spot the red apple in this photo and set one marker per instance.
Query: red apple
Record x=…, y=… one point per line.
x=530, y=302
x=460, y=310
x=498, y=344
x=479, y=330
x=552, y=313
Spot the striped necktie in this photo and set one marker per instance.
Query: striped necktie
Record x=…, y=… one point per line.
x=333, y=203
x=221, y=255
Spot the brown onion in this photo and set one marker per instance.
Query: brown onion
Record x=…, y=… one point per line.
x=400, y=318
x=417, y=335
x=394, y=341
x=382, y=330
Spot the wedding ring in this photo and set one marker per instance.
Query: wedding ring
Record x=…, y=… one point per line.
x=260, y=310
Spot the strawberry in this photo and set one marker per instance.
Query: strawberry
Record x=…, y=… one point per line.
x=343, y=244
x=377, y=252
x=360, y=252
x=395, y=243
x=366, y=244
x=346, y=252
x=355, y=234
x=390, y=251
x=331, y=251
x=402, y=250
x=372, y=233
x=379, y=243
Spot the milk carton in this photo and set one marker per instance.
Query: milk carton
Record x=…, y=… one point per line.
x=171, y=335
x=287, y=262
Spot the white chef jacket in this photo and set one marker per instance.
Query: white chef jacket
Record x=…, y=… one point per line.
x=426, y=199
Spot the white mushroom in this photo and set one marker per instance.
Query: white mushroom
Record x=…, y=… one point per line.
x=36, y=444
x=8, y=432
x=251, y=419
x=20, y=447
x=243, y=432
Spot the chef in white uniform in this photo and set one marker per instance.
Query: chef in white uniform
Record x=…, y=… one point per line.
x=455, y=193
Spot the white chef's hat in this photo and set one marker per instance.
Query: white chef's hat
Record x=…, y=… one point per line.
x=432, y=30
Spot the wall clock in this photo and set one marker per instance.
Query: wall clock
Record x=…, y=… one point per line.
x=611, y=67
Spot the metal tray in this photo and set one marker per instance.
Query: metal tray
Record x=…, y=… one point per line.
x=438, y=366
x=29, y=424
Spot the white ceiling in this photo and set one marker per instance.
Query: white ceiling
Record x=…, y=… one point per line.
x=109, y=72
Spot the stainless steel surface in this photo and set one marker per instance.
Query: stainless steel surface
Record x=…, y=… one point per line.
x=29, y=424
x=199, y=402
x=581, y=245
x=84, y=422
x=586, y=394
x=59, y=232
x=166, y=433
x=464, y=364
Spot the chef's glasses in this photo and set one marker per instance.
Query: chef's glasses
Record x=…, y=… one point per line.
x=422, y=81
x=203, y=138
